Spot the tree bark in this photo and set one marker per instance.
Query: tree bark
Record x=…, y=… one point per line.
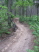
x=22, y=9
x=9, y=10
x=19, y=10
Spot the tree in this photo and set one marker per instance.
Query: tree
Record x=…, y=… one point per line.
x=10, y=10
x=22, y=8
x=9, y=5
x=24, y=4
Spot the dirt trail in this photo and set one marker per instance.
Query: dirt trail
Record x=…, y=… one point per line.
x=20, y=42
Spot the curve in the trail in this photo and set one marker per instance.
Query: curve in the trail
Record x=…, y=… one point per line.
x=21, y=42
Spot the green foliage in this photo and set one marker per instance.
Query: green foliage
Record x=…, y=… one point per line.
x=30, y=50
x=3, y=19
x=36, y=41
x=36, y=48
x=12, y=16
x=4, y=7
x=6, y=2
x=32, y=18
x=8, y=32
x=21, y=19
x=22, y=3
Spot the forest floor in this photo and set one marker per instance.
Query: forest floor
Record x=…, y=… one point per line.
x=20, y=41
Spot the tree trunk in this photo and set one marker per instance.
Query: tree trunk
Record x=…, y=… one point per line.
x=9, y=10
x=37, y=13
x=19, y=10
x=22, y=9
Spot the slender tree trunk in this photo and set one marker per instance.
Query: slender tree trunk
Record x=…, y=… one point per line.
x=19, y=10
x=26, y=11
x=37, y=13
x=9, y=10
x=15, y=11
x=31, y=12
x=22, y=9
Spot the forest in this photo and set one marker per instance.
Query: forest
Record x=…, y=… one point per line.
x=19, y=25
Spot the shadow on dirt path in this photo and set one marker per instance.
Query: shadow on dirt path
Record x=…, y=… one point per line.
x=20, y=41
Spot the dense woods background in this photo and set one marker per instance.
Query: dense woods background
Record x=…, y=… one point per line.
x=26, y=11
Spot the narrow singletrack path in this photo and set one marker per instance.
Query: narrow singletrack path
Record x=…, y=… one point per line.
x=20, y=42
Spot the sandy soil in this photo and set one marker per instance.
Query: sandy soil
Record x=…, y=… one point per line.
x=20, y=41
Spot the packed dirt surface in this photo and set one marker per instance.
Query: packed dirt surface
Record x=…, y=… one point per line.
x=20, y=41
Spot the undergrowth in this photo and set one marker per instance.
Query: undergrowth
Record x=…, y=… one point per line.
x=34, y=24
x=4, y=28
x=3, y=20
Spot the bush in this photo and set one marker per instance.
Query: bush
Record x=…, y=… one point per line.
x=3, y=20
